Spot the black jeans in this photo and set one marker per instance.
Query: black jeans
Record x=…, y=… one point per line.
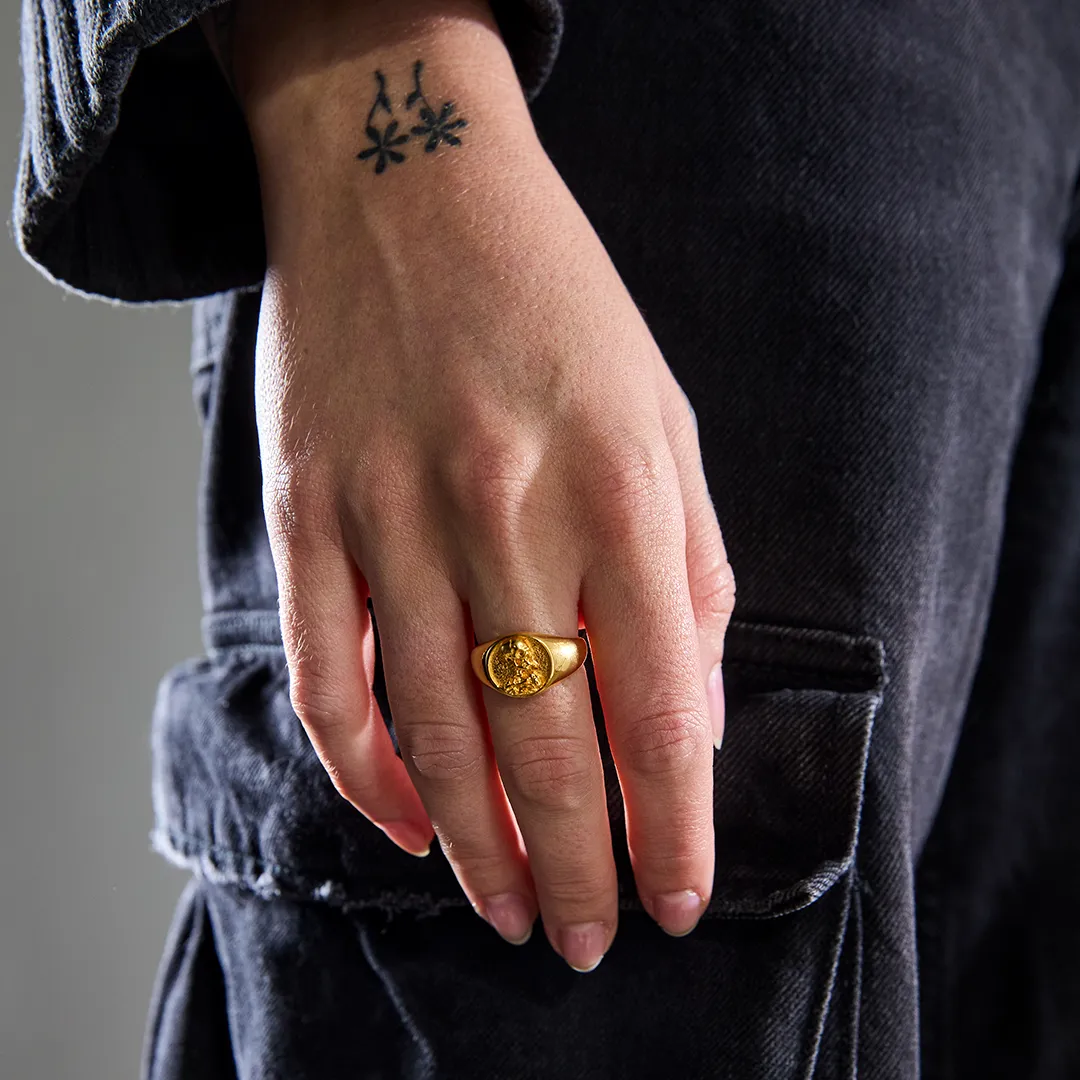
x=854, y=231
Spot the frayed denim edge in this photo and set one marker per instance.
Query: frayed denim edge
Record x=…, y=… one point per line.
x=273, y=882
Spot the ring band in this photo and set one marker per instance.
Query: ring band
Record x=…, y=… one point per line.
x=522, y=664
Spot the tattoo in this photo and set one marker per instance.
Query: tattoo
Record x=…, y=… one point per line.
x=218, y=24
x=436, y=127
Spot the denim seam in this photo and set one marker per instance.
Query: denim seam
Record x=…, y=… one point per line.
x=857, y=977
x=836, y=947
x=425, y=1067
x=933, y=996
x=846, y=679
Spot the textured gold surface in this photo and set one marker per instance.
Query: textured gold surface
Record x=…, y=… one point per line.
x=519, y=665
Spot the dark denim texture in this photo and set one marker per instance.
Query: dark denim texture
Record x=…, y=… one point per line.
x=854, y=230
x=849, y=229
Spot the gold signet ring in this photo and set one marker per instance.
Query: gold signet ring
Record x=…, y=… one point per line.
x=519, y=665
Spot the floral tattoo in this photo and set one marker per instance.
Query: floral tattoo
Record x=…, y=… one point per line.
x=436, y=126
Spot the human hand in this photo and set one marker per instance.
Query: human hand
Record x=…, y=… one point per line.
x=463, y=415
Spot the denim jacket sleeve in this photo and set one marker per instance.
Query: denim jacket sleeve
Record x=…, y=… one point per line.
x=136, y=177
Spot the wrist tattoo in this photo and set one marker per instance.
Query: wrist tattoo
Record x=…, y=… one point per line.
x=436, y=125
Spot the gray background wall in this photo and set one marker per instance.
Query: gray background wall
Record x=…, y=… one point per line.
x=98, y=597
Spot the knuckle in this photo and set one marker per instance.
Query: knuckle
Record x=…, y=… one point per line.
x=578, y=890
x=326, y=716
x=442, y=752
x=672, y=859
x=297, y=503
x=665, y=740
x=491, y=481
x=315, y=700
x=383, y=493
x=477, y=861
x=674, y=848
x=714, y=593
x=551, y=772
x=633, y=484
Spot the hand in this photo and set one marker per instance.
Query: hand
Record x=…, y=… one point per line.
x=463, y=415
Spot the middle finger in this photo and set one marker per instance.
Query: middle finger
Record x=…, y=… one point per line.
x=549, y=759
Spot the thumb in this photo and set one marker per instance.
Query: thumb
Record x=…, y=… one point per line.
x=712, y=583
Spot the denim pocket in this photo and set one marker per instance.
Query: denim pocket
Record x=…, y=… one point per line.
x=240, y=795
x=241, y=799
x=785, y=920
x=788, y=781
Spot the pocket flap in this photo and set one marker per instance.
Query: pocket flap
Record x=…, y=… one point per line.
x=788, y=779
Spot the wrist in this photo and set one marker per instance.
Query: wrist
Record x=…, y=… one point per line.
x=343, y=100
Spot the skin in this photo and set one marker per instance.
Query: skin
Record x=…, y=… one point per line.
x=463, y=416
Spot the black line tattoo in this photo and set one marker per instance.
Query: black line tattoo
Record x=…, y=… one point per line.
x=437, y=126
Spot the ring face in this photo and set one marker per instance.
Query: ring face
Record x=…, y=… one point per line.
x=518, y=665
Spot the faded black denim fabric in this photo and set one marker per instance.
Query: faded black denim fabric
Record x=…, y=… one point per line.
x=854, y=230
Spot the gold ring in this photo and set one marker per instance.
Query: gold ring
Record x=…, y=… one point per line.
x=520, y=665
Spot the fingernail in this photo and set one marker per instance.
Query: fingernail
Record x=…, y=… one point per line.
x=509, y=914
x=715, y=693
x=678, y=912
x=408, y=837
x=582, y=945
